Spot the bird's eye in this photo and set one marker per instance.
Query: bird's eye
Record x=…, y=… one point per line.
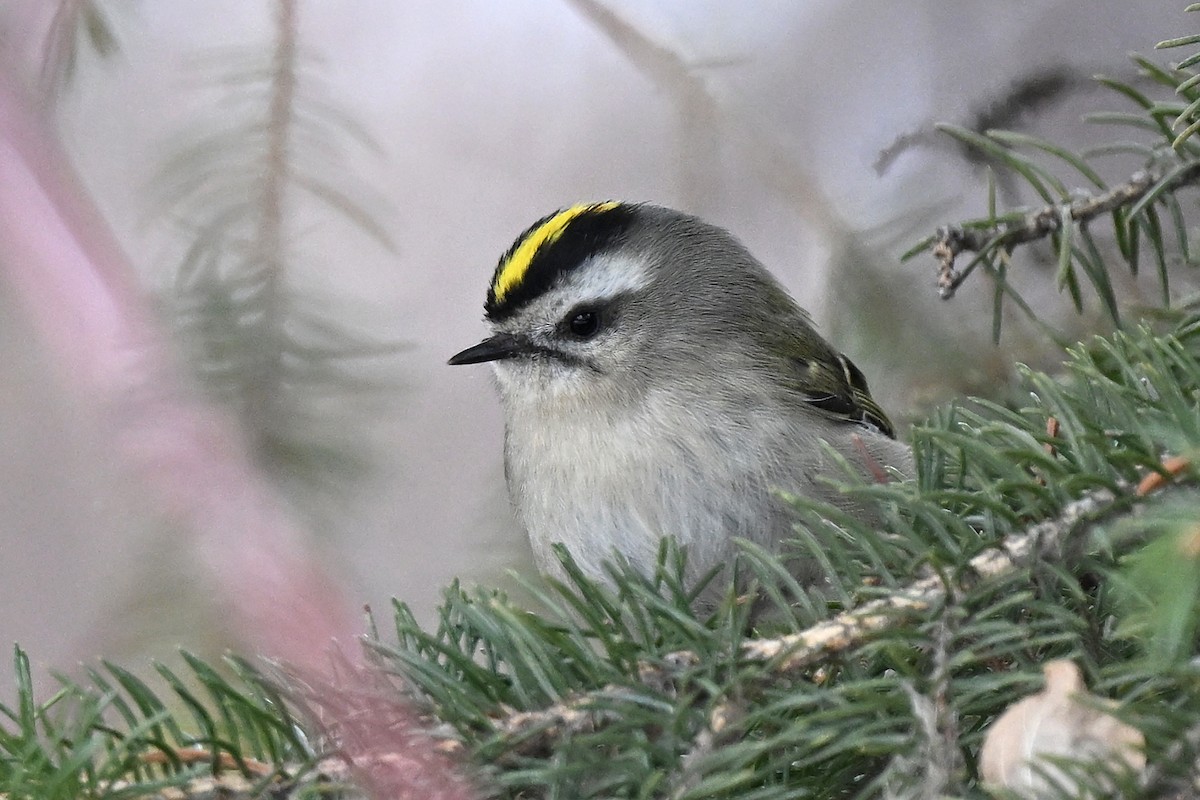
x=584, y=323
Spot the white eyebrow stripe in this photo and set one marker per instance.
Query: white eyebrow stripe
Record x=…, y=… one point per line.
x=608, y=275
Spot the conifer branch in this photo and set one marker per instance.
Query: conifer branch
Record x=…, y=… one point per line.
x=938, y=758
x=535, y=732
x=951, y=240
x=329, y=777
x=794, y=652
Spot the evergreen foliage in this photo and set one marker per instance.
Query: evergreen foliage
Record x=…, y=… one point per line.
x=1084, y=500
x=621, y=692
x=114, y=737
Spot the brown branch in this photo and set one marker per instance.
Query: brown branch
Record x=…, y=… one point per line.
x=952, y=240
x=262, y=392
x=786, y=656
x=221, y=761
x=794, y=652
x=331, y=777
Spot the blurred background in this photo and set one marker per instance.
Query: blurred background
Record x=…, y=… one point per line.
x=336, y=180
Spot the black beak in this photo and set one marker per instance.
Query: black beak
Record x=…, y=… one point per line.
x=502, y=345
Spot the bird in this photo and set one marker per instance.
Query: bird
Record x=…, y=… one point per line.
x=656, y=380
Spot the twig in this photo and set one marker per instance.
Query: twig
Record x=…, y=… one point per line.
x=1023, y=97
x=954, y=239
x=328, y=778
x=262, y=394
x=221, y=760
x=797, y=651
x=536, y=731
x=724, y=725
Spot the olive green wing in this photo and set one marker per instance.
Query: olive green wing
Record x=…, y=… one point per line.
x=821, y=377
x=832, y=384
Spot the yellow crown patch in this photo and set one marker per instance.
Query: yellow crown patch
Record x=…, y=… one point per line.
x=516, y=266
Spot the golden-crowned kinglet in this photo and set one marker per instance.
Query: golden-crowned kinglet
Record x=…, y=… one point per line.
x=657, y=380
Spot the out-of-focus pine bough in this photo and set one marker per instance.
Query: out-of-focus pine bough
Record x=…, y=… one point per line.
x=1066, y=529
x=194, y=468
x=303, y=384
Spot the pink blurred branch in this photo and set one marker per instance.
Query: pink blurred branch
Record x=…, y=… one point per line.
x=69, y=275
x=63, y=267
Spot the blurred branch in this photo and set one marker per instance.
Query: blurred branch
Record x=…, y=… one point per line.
x=232, y=190
x=73, y=19
x=387, y=747
x=68, y=273
x=701, y=116
x=1023, y=97
x=698, y=111
x=262, y=394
